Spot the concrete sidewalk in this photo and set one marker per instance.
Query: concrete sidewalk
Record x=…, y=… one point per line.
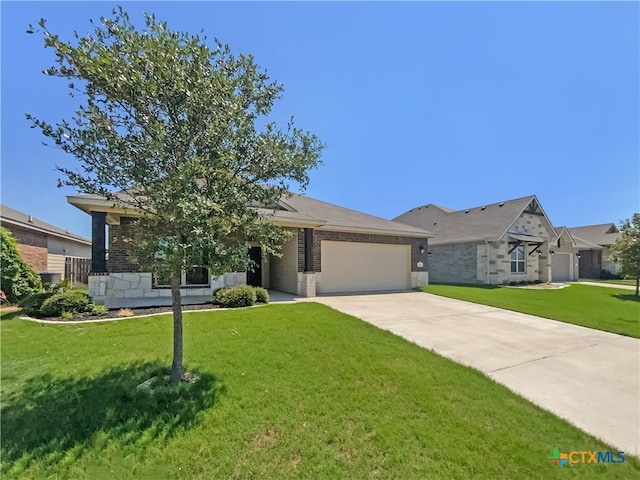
x=608, y=285
x=589, y=377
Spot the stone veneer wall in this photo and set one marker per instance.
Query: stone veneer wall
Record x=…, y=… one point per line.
x=467, y=262
x=134, y=289
x=537, y=265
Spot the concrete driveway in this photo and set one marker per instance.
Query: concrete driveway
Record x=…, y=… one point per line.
x=590, y=378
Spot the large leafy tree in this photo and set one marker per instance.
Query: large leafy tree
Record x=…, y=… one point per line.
x=17, y=278
x=626, y=249
x=176, y=128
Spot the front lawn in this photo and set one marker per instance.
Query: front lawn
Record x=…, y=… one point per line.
x=286, y=391
x=603, y=308
x=615, y=282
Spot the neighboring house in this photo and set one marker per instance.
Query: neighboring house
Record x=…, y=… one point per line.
x=595, y=242
x=44, y=247
x=509, y=241
x=565, y=256
x=333, y=249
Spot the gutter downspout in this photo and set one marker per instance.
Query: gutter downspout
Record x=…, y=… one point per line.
x=549, y=271
x=486, y=241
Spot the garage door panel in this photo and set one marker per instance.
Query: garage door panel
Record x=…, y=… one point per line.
x=561, y=267
x=364, y=267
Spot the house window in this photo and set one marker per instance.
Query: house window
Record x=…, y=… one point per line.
x=194, y=277
x=517, y=260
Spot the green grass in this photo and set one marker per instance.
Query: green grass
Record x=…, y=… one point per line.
x=615, y=282
x=287, y=391
x=603, y=308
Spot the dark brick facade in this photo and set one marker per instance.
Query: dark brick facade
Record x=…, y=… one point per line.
x=32, y=245
x=590, y=263
x=456, y=263
x=120, y=247
x=320, y=235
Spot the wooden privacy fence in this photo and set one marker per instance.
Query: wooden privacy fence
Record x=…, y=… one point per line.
x=77, y=269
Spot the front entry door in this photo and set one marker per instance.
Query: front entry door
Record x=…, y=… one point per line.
x=254, y=278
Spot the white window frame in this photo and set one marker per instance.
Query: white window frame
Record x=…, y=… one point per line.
x=515, y=260
x=183, y=281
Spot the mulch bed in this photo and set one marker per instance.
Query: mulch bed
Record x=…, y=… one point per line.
x=136, y=312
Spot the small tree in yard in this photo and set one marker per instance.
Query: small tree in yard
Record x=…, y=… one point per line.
x=17, y=279
x=180, y=128
x=626, y=249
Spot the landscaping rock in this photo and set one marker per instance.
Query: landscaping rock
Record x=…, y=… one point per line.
x=147, y=385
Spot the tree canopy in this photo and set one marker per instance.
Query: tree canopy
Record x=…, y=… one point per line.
x=626, y=249
x=177, y=128
x=18, y=279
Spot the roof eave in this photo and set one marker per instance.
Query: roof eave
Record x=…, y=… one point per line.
x=377, y=231
x=48, y=232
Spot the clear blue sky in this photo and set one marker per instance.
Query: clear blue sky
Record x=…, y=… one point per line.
x=459, y=104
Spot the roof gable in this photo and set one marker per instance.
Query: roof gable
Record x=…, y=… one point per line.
x=486, y=222
x=563, y=233
x=602, y=234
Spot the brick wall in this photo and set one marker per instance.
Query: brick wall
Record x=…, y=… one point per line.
x=32, y=246
x=120, y=247
x=453, y=263
x=319, y=235
x=590, y=263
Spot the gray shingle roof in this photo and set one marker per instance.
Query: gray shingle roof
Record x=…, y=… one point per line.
x=585, y=245
x=596, y=234
x=11, y=216
x=334, y=217
x=467, y=225
x=299, y=210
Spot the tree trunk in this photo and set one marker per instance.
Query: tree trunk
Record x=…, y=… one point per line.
x=176, y=303
x=637, y=285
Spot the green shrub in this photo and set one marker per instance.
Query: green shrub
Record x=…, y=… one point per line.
x=240, y=296
x=17, y=278
x=73, y=301
x=99, y=309
x=607, y=275
x=522, y=282
x=67, y=315
x=513, y=284
x=262, y=296
x=537, y=282
x=31, y=305
x=64, y=285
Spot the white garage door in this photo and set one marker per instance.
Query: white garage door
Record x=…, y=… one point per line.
x=364, y=267
x=561, y=267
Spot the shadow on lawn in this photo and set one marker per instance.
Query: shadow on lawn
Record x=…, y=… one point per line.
x=627, y=297
x=481, y=286
x=52, y=418
x=8, y=315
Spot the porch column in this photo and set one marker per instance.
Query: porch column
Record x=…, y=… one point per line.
x=308, y=250
x=98, y=242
